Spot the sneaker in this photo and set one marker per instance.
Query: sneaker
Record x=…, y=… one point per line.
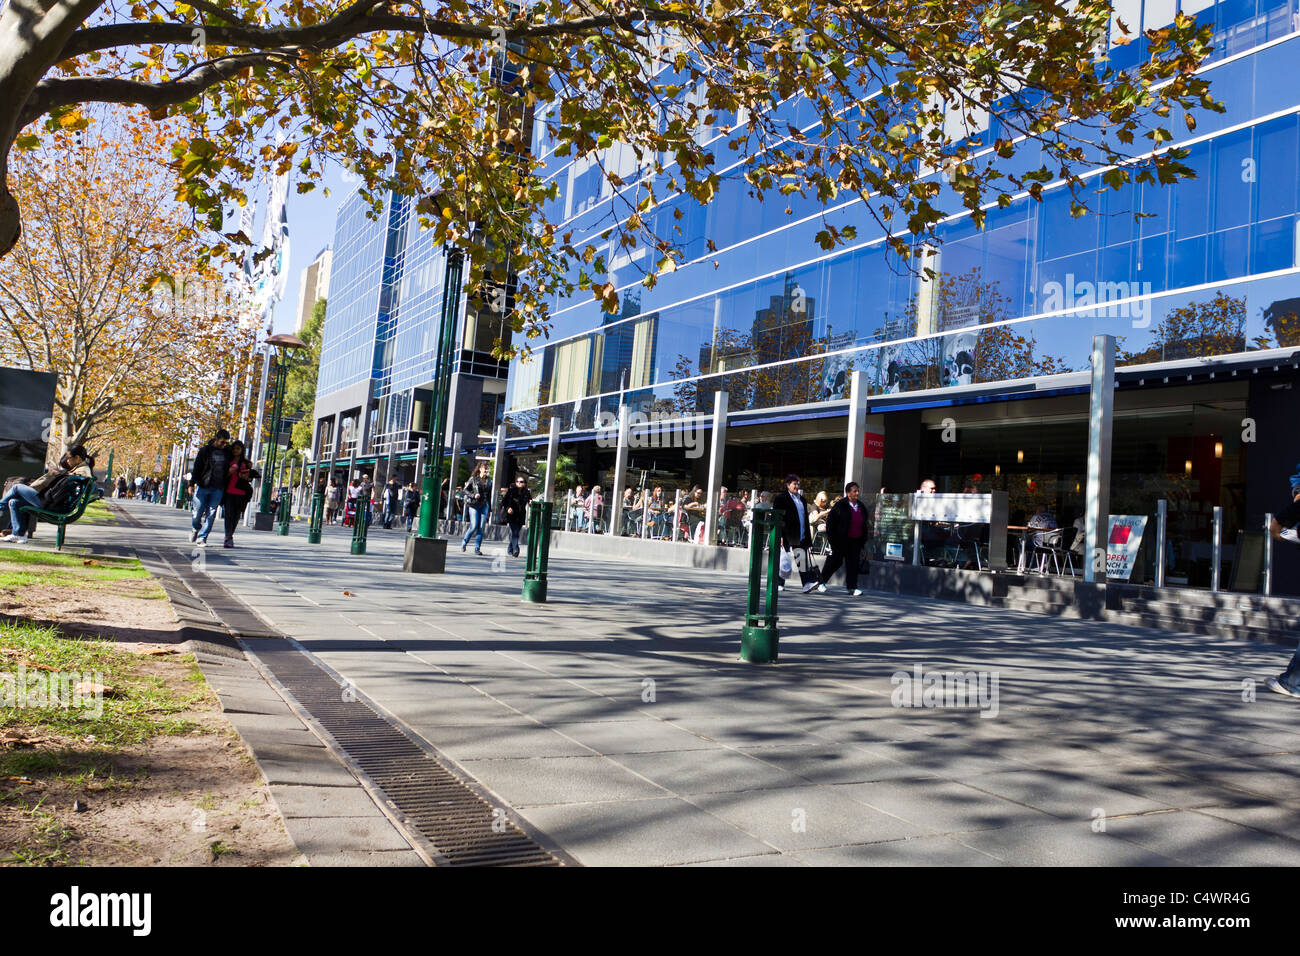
x=821, y=589
x=780, y=587
x=1276, y=685
x=202, y=542
x=857, y=592
x=478, y=552
x=809, y=586
x=464, y=546
x=230, y=543
x=194, y=536
x=17, y=538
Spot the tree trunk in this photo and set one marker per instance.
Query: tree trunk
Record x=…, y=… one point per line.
x=32, y=33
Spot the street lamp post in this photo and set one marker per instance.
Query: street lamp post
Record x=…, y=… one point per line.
x=265, y=518
x=426, y=553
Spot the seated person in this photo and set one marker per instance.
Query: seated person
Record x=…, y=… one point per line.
x=45, y=492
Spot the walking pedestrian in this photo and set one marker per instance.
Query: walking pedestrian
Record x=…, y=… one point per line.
x=239, y=490
x=478, y=492
x=846, y=530
x=209, y=484
x=331, y=501
x=1285, y=526
x=121, y=486
x=514, y=508
x=392, y=501
x=794, y=531
x=411, y=504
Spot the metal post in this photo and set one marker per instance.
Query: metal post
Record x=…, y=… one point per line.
x=539, y=549
x=112, y=484
x=759, y=636
x=261, y=411
x=717, y=453
x=677, y=515
x=286, y=496
x=645, y=513
x=453, y=478
x=498, y=470
x=1216, y=552
x=1268, y=555
x=1101, y=412
x=552, y=453
x=615, y=509
x=1162, y=528
x=272, y=443
x=916, y=543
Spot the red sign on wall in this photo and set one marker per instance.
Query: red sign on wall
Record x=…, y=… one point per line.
x=873, y=445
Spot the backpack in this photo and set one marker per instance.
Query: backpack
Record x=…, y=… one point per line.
x=61, y=493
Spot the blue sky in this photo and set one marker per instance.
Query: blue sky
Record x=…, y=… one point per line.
x=311, y=228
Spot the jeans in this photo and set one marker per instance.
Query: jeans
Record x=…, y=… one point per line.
x=206, y=501
x=19, y=495
x=477, y=518
x=233, y=509
x=514, y=537
x=1290, y=678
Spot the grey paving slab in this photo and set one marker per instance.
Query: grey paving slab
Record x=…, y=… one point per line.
x=920, y=851
x=632, y=735
x=540, y=781
x=375, y=858
x=1071, y=796
x=1072, y=843
x=764, y=860
x=823, y=764
x=1268, y=818
x=321, y=772
x=344, y=834
x=708, y=771
x=500, y=739
x=1198, y=839
x=243, y=704
x=942, y=805
x=642, y=833
x=800, y=818
x=305, y=801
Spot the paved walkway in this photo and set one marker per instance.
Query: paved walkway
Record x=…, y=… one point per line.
x=618, y=721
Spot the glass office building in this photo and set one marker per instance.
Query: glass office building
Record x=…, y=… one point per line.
x=380, y=341
x=1202, y=294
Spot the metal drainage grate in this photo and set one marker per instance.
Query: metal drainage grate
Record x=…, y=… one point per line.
x=464, y=829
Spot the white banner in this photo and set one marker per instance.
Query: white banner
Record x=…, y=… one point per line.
x=1123, y=540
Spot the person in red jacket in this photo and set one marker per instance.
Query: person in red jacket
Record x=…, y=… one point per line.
x=238, y=489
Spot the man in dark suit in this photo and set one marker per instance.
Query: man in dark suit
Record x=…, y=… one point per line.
x=795, y=535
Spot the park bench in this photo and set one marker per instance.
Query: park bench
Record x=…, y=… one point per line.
x=86, y=493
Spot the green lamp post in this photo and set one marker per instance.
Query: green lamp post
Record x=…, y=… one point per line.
x=264, y=520
x=426, y=553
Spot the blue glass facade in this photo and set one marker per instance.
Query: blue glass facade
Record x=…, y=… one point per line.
x=381, y=329
x=1211, y=269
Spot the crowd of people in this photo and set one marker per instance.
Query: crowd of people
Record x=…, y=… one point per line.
x=141, y=488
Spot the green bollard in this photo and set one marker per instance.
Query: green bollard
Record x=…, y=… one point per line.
x=284, y=513
x=539, y=549
x=317, y=516
x=759, y=638
x=360, y=526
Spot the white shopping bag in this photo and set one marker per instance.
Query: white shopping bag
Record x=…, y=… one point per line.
x=787, y=564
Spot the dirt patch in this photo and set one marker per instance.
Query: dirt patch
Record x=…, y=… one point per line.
x=189, y=795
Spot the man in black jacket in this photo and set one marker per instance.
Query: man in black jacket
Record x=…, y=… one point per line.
x=846, y=529
x=795, y=535
x=514, y=508
x=209, y=484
